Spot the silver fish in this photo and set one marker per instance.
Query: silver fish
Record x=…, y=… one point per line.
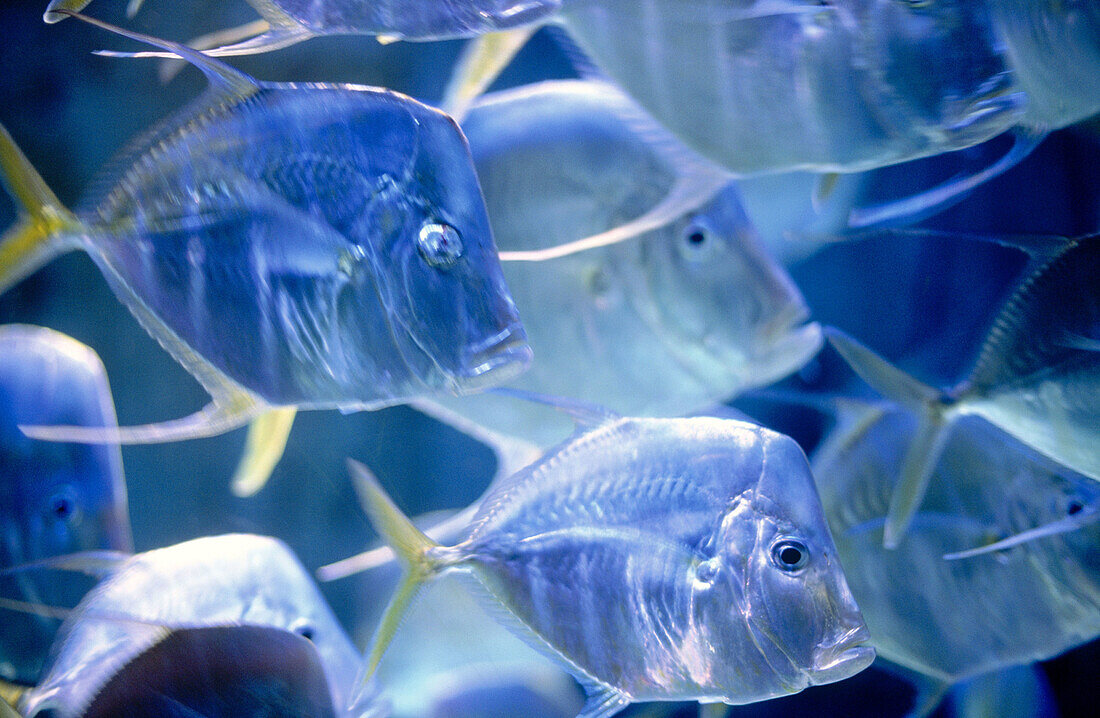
x=235, y=579
x=291, y=245
x=219, y=672
x=655, y=559
x=55, y=499
x=691, y=297
x=1037, y=376
x=951, y=620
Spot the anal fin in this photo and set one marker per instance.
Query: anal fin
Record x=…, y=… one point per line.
x=267, y=435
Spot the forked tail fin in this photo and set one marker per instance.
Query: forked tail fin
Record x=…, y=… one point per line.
x=934, y=420
x=413, y=549
x=45, y=228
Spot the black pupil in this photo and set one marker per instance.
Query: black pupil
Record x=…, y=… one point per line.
x=1075, y=507
x=790, y=555
x=697, y=237
x=62, y=507
x=306, y=632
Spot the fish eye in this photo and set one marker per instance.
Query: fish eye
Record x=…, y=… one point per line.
x=706, y=572
x=439, y=244
x=1075, y=507
x=696, y=240
x=304, y=629
x=790, y=554
x=62, y=506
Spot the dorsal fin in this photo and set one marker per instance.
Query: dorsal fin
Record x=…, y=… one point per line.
x=222, y=77
x=481, y=62
x=1052, y=316
x=585, y=414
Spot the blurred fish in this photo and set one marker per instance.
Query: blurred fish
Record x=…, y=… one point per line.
x=218, y=672
x=691, y=298
x=228, y=580
x=655, y=559
x=291, y=21
x=55, y=499
x=952, y=620
x=291, y=245
x=1037, y=377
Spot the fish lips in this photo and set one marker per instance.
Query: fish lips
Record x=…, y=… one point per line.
x=499, y=358
x=842, y=658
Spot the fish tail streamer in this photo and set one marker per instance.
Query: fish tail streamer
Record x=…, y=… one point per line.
x=45, y=228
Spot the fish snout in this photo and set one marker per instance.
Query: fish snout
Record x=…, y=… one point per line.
x=842, y=656
x=496, y=359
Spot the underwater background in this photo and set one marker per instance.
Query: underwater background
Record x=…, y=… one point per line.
x=924, y=301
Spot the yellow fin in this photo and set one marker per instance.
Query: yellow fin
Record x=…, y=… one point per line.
x=10, y=694
x=267, y=435
x=412, y=547
x=480, y=63
x=46, y=228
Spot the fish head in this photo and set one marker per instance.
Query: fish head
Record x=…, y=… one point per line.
x=939, y=69
x=721, y=303
x=796, y=604
x=55, y=498
x=453, y=314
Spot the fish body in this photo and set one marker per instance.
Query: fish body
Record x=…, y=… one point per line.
x=658, y=559
x=416, y=20
x=55, y=499
x=230, y=580
x=219, y=672
x=955, y=619
x=841, y=87
x=292, y=246
x=279, y=239
x=694, y=300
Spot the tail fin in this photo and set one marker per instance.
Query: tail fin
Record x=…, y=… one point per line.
x=928, y=442
x=46, y=228
x=413, y=549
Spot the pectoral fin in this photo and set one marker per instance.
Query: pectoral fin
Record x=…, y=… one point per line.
x=267, y=435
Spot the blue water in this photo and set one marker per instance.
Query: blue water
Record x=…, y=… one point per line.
x=926, y=301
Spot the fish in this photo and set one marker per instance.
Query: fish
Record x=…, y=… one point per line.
x=55, y=499
x=691, y=297
x=293, y=246
x=954, y=620
x=287, y=22
x=836, y=87
x=219, y=672
x=1037, y=375
x=227, y=580
x=655, y=559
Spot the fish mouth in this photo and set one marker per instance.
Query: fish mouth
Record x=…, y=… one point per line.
x=849, y=655
x=786, y=344
x=495, y=359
